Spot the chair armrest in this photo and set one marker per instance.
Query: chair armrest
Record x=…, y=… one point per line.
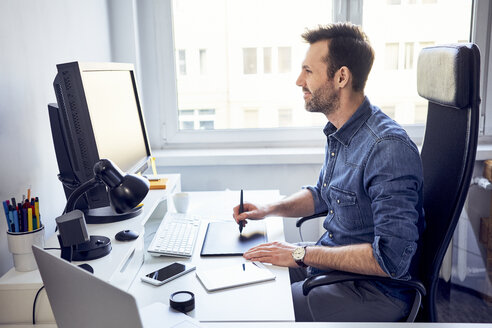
x=341, y=276
x=300, y=221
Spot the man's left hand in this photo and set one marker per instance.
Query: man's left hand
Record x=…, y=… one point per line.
x=277, y=253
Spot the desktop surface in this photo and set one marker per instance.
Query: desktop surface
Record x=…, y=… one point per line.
x=263, y=301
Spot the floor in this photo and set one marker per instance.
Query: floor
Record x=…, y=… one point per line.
x=458, y=304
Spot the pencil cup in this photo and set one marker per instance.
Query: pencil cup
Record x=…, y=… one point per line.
x=20, y=244
x=181, y=200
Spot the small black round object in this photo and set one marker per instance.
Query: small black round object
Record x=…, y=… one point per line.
x=182, y=301
x=126, y=235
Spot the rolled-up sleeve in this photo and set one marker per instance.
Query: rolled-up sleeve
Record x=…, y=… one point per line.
x=393, y=180
x=319, y=204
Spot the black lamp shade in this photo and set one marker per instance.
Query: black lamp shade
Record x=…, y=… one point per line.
x=129, y=193
x=125, y=191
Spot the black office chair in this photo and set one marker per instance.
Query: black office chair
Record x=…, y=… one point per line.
x=448, y=76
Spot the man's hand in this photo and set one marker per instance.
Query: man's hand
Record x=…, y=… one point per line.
x=277, y=253
x=250, y=211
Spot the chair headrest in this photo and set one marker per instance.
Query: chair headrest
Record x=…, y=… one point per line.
x=443, y=74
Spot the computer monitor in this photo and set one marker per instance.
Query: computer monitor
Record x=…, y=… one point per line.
x=98, y=116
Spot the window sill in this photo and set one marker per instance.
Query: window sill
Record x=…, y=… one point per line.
x=241, y=156
x=257, y=156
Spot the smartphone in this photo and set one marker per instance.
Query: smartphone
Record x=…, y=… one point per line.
x=167, y=273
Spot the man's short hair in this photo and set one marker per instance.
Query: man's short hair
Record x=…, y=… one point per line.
x=348, y=46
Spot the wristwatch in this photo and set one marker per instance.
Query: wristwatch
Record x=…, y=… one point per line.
x=298, y=256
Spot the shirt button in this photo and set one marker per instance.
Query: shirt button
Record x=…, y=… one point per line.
x=330, y=235
x=332, y=154
x=393, y=274
x=338, y=201
x=324, y=184
x=331, y=211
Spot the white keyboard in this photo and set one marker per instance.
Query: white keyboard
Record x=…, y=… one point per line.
x=176, y=236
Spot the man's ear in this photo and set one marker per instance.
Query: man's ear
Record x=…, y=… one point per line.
x=343, y=77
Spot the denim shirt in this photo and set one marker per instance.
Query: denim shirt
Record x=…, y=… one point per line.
x=371, y=185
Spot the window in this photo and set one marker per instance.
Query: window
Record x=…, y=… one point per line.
x=257, y=61
x=249, y=60
x=267, y=60
x=409, y=55
x=284, y=59
x=404, y=31
x=203, y=61
x=285, y=117
x=197, y=119
x=391, y=56
x=251, y=117
x=182, y=62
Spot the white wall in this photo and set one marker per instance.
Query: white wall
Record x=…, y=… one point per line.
x=35, y=35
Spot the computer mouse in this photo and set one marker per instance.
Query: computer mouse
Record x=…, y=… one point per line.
x=126, y=235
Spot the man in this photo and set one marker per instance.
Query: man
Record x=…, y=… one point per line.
x=370, y=185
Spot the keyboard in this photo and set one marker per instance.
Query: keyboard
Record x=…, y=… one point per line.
x=176, y=236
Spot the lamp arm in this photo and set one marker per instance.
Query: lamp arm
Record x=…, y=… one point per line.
x=72, y=200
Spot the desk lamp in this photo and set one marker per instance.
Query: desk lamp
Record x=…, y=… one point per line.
x=125, y=193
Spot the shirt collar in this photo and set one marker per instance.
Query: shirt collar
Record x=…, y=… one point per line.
x=348, y=130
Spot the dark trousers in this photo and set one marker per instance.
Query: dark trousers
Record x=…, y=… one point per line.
x=352, y=301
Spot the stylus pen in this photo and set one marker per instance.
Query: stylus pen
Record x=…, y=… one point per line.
x=241, y=210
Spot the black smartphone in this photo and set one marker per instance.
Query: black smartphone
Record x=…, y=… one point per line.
x=167, y=273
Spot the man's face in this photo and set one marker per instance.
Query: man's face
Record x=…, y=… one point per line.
x=320, y=94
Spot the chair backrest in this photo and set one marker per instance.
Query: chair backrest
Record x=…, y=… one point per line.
x=448, y=76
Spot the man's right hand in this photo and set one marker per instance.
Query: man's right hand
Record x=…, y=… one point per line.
x=250, y=211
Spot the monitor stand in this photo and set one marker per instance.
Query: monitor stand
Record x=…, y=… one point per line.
x=108, y=215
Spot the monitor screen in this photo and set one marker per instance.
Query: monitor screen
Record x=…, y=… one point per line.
x=115, y=117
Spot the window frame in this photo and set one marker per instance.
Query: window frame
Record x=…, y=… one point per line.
x=172, y=137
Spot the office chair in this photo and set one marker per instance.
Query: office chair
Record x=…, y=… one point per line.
x=448, y=76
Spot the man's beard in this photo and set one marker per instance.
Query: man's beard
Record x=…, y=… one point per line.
x=324, y=100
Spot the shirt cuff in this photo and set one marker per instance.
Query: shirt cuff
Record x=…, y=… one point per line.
x=319, y=204
x=395, y=272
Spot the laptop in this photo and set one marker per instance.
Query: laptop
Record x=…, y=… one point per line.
x=80, y=299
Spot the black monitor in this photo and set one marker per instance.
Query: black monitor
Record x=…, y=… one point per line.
x=98, y=116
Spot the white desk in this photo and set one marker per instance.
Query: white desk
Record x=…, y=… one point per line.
x=267, y=301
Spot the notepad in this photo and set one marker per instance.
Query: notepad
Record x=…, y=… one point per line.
x=158, y=184
x=235, y=275
x=223, y=238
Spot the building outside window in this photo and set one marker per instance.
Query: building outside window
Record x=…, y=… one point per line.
x=256, y=61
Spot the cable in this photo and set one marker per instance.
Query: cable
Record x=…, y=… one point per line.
x=34, y=306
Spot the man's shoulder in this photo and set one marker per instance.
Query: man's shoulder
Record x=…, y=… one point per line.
x=384, y=127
